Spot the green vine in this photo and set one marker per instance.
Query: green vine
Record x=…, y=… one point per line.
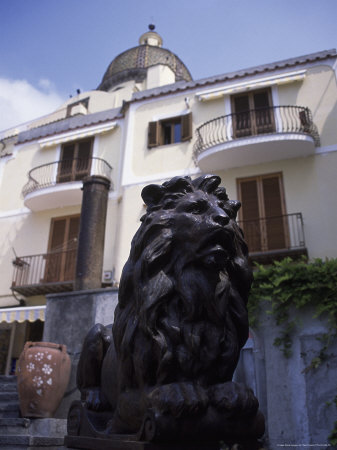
x=289, y=284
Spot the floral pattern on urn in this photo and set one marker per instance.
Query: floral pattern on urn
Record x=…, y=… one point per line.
x=43, y=376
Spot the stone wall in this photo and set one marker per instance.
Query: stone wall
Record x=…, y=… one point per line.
x=297, y=403
x=69, y=317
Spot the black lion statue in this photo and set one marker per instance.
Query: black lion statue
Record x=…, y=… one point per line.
x=165, y=372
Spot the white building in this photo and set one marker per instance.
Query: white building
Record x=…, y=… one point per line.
x=268, y=131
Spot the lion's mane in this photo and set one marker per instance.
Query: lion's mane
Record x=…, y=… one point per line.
x=178, y=318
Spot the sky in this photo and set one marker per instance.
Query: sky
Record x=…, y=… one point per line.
x=51, y=48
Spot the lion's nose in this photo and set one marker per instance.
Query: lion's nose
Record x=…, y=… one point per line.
x=221, y=218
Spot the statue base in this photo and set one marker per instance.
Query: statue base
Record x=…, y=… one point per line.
x=123, y=442
x=92, y=431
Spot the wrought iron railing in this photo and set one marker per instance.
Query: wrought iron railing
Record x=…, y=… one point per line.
x=63, y=171
x=274, y=119
x=274, y=233
x=53, y=267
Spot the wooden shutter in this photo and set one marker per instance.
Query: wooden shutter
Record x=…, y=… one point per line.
x=83, y=159
x=71, y=248
x=263, y=115
x=186, y=127
x=58, y=231
x=75, y=161
x=272, y=203
x=73, y=230
x=250, y=214
x=242, y=125
x=252, y=113
x=65, y=170
x=62, y=250
x=54, y=257
x=264, y=223
x=153, y=134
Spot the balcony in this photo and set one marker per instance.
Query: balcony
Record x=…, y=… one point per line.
x=45, y=273
x=273, y=238
x=254, y=137
x=58, y=184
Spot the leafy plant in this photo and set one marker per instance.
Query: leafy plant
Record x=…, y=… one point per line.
x=289, y=284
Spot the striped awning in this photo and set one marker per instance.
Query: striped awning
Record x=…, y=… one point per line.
x=75, y=135
x=289, y=77
x=29, y=313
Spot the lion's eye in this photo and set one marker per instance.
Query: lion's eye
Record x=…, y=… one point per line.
x=196, y=207
x=227, y=210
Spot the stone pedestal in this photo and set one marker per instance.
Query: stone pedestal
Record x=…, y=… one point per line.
x=127, y=443
x=69, y=317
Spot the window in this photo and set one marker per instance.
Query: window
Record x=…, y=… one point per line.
x=62, y=249
x=170, y=131
x=75, y=163
x=253, y=113
x=79, y=107
x=263, y=218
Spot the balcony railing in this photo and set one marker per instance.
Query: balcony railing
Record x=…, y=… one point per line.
x=279, y=235
x=44, y=273
x=256, y=122
x=65, y=171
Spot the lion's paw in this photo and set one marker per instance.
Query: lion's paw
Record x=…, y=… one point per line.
x=93, y=399
x=234, y=398
x=178, y=399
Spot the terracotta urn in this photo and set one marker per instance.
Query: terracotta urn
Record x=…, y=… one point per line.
x=43, y=376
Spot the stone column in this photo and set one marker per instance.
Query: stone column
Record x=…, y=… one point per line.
x=92, y=233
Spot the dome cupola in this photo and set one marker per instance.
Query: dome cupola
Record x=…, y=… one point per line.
x=151, y=38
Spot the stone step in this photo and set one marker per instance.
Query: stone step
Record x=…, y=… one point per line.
x=6, y=441
x=8, y=379
x=38, y=427
x=8, y=387
x=9, y=397
x=9, y=409
x=16, y=426
x=32, y=434
x=48, y=427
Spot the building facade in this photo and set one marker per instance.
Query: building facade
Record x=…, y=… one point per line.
x=269, y=132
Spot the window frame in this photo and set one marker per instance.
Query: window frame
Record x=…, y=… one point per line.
x=262, y=218
x=252, y=115
x=84, y=102
x=156, y=133
x=72, y=171
x=58, y=267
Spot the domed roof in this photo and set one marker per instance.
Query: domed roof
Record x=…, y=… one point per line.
x=133, y=63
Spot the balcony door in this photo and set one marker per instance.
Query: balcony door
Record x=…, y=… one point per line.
x=253, y=114
x=62, y=250
x=262, y=214
x=75, y=162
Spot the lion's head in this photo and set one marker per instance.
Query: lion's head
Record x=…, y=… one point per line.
x=183, y=292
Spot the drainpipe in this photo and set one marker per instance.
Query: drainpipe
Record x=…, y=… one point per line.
x=89, y=263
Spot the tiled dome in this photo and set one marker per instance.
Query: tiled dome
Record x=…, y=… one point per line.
x=133, y=63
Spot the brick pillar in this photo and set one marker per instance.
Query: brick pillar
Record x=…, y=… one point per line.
x=89, y=264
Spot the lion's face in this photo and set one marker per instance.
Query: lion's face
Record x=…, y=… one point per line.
x=203, y=229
